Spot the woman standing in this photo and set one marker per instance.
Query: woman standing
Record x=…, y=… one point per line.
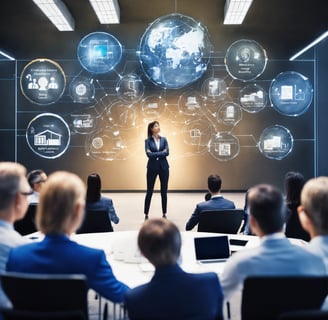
x=157, y=149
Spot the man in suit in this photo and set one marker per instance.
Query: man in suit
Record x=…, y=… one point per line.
x=36, y=179
x=216, y=202
x=60, y=213
x=313, y=214
x=14, y=190
x=275, y=255
x=172, y=293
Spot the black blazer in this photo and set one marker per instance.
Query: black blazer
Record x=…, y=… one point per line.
x=157, y=158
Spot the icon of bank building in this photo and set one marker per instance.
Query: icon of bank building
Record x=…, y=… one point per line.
x=192, y=103
x=47, y=138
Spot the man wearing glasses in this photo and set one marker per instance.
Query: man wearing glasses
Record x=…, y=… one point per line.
x=36, y=179
x=14, y=190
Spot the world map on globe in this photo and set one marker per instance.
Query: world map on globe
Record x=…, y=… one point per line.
x=174, y=51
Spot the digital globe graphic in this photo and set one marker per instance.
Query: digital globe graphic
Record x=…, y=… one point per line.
x=99, y=52
x=245, y=60
x=42, y=81
x=276, y=142
x=291, y=93
x=174, y=51
x=224, y=146
x=48, y=135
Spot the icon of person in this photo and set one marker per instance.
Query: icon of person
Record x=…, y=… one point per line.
x=244, y=54
x=53, y=84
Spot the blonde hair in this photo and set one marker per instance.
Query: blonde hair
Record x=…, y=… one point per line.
x=58, y=199
x=11, y=175
x=314, y=199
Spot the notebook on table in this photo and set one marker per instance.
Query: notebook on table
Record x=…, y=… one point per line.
x=212, y=249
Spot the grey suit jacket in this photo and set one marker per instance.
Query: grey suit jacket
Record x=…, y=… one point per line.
x=274, y=256
x=216, y=203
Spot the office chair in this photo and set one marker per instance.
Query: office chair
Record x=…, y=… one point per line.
x=27, y=224
x=266, y=297
x=95, y=221
x=41, y=296
x=222, y=221
x=305, y=315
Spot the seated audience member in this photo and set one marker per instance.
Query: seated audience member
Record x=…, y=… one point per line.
x=275, y=255
x=313, y=213
x=294, y=182
x=36, y=179
x=217, y=202
x=172, y=293
x=95, y=201
x=14, y=189
x=60, y=213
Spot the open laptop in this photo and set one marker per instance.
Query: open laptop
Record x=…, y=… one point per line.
x=212, y=249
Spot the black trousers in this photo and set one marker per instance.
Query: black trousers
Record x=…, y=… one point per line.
x=151, y=178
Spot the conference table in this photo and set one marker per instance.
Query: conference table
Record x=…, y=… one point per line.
x=130, y=267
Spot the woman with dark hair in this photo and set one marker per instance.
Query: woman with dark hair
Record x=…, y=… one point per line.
x=95, y=201
x=294, y=182
x=157, y=149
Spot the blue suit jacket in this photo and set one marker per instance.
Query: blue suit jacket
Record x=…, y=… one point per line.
x=216, y=203
x=157, y=157
x=57, y=254
x=104, y=203
x=174, y=294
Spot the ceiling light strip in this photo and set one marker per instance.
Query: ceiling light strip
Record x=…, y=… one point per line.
x=107, y=11
x=6, y=55
x=312, y=44
x=235, y=11
x=57, y=12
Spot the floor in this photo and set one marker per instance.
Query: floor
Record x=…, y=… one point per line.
x=129, y=208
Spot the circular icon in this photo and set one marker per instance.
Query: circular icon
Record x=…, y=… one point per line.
x=153, y=106
x=253, y=98
x=224, y=146
x=291, y=93
x=99, y=52
x=130, y=88
x=214, y=89
x=197, y=132
x=245, y=60
x=106, y=144
x=121, y=115
x=174, y=51
x=82, y=90
x=85, y=121
x=190, y=103
x=276, y=142
x=42, y=81
x=229, y=114
x=48, y=135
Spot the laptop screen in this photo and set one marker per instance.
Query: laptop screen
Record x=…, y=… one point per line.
x=212, y=248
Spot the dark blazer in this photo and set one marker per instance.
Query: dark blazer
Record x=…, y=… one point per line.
x=157, y=158
x=216, y=203
x=104, y=204
x=57, y=254
x=176, y=295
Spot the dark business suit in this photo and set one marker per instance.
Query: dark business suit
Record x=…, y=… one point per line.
x=176, y=295
x=216, y=203
x=57, y=254
x=157, y=166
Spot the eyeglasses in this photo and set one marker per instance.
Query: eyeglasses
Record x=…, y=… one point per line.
x=27, y=193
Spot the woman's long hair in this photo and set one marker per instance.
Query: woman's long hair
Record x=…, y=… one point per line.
x=294, y=182
x=150, y=127
x=94, y=187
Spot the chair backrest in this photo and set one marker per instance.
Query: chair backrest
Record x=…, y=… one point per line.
x=221, y=221
x=266, y=297
x=305, y=315
x=46, y=293
x=27, y=224
x=95, y=221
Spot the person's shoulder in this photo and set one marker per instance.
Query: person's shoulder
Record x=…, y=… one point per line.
x=105, y=199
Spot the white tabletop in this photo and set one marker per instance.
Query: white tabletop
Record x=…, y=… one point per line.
x=131, y=268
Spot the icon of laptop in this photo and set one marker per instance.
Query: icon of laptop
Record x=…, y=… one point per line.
x=212, y=249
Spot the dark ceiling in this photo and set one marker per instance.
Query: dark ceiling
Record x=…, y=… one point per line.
x=282, y=27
